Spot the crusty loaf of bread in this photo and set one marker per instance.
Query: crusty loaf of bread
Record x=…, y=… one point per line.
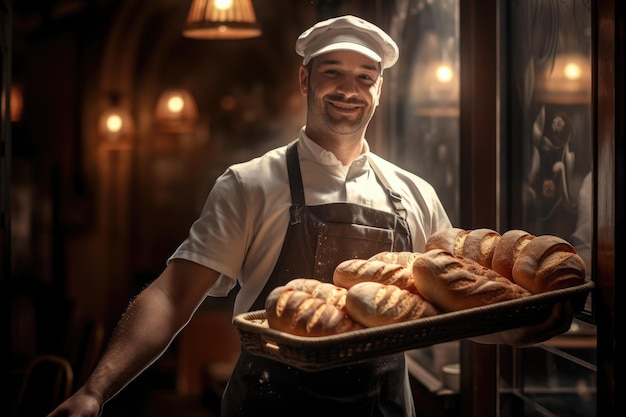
x=478, y=244
x=354, y=271
x=455, y=283
x=509, y=246
x=300, y=313
x=326, y=291
x=400, y=258
x=375, y=304
x=548, y=263
x=451, y=240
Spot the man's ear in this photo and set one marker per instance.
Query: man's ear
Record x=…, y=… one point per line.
x=304, y=80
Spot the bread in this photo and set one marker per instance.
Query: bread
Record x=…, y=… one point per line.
x=506, y=252
x=375, y=304
x=326, y=291
x=451, y=240
x=478, y=244
x=354, y=271
x=300, y=313
x=455, y=283
x=400, y=258
x=548, y=263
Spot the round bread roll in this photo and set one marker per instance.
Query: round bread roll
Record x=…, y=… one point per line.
x=478, y=244
x=455, y=283
x=375, y=304
x=508, y=249
x=299, y=313
x=353, y=271
x=325, y=291
x=548, y=263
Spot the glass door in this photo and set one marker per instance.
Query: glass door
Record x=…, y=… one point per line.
x=547, y=91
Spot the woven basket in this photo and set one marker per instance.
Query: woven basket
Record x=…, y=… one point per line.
x=318, y=353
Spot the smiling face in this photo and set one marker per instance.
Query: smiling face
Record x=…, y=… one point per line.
x=342, y=89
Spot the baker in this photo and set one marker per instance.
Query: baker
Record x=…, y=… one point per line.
x=296, y=211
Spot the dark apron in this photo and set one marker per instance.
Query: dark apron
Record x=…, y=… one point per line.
x=318, y=239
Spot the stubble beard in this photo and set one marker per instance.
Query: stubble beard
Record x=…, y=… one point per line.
x=341, y=125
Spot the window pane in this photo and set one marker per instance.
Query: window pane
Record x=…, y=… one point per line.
x=425, y=93
x=551, y=119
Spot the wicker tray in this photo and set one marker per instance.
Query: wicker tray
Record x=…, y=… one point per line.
x=318, y=353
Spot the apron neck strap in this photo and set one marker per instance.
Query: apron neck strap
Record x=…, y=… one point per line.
x=396, y=199
x=295, y=177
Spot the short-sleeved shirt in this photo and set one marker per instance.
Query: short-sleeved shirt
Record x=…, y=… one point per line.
x=242, y=226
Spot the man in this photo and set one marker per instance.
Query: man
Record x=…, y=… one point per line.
x=296, y=211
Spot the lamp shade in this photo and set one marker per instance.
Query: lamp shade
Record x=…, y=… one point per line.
x=221, y=19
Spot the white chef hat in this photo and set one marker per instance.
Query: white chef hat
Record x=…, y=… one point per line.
x=348, y=33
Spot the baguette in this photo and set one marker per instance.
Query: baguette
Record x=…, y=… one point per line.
x=326, y=291
x=507, y=251
x=478, y=244
x=354, y=271
x=548, y=263
x=400, y=258
x=300, y=313
x=455, y=283
x=450, y=240
x=374, y=304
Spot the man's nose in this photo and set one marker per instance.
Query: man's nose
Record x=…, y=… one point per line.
x=347, y=87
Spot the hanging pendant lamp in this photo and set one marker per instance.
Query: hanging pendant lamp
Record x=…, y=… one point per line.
x=221, y=19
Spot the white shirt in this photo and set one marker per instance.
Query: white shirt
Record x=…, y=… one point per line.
x=242, y=226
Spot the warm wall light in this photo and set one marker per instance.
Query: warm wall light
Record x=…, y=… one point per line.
x=17, y=103
x=568, y=81
x=176, y=111
x=439, y=84
x=221, y=19
x=116, y=124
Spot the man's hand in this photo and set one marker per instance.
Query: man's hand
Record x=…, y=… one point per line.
x=557, y=323
x=80, y=404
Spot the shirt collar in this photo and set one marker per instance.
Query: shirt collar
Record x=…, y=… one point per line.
x=312, y=150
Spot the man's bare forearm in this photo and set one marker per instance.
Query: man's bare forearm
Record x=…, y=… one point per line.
x=145, y=331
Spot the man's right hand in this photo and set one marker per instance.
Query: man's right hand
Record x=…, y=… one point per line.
x=80, y=404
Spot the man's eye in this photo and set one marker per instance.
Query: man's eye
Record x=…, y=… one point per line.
x=367, y=79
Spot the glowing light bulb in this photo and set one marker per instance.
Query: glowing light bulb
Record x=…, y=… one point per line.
x=175, y=104
x=444, y=74
x=572, y=71
x=223, y=4
x=114, y=123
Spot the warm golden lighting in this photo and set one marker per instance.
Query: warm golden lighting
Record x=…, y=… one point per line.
x=17, y=103
x=572, y=71
x=223, y=4
x=435, y=90
x=568, y=80
x=221, y=19
x=116, y=123
x=444, y=74
x=176, y=111
x=175, y=104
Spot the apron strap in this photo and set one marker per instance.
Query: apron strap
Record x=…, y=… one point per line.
x=396, y=199
x=295, y=177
